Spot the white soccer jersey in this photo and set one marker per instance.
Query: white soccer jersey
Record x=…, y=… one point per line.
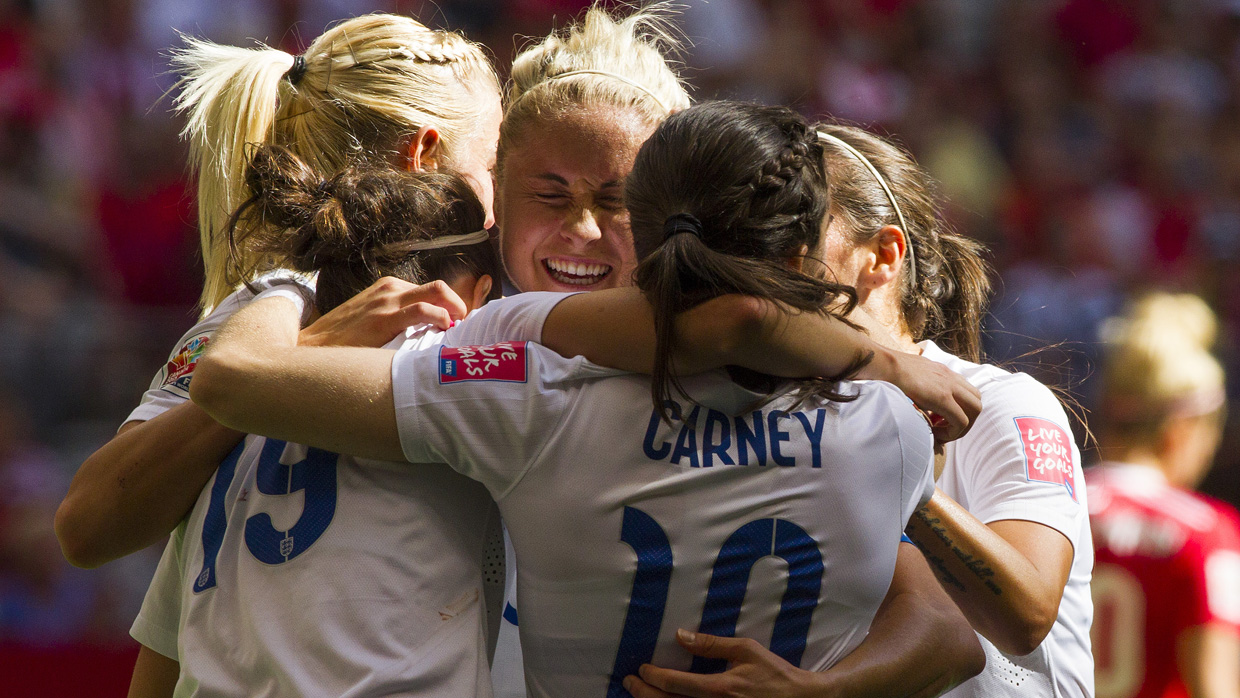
x=773, y=523
x=301, y=572
x=170, y=387
x=1019, y=462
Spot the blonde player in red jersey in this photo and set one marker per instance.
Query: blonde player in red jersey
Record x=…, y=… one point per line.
x=1167, y=582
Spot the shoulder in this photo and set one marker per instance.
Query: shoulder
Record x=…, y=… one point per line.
x=880, y=402
x=1124, y=492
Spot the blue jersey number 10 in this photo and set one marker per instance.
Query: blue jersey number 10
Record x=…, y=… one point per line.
x=728, y=582
x=315, y=474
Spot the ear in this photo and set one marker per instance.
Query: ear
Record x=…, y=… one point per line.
x=482, y=291
x=797, y=261
x=885, y=259
x=424, y=151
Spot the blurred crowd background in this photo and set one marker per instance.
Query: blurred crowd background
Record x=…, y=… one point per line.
x=1093, y=145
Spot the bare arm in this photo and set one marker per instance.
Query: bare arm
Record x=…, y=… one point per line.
x=255, y=378
x=615, y=328
x=138, y=486
x=919, y=645
x=1209, y=660
x=154, y=675
x=1007, y=577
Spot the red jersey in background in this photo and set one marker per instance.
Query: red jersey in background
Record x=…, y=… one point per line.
x=1167, y=560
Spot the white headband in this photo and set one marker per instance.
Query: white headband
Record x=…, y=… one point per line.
x=621, y=78
x=451, y=241
x=908, y=242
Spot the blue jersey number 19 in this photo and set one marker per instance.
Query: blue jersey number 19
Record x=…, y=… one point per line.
x=315, y=474
x=729, y=580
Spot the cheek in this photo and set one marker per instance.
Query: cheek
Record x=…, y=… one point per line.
x=518, y=242
x=838, y=258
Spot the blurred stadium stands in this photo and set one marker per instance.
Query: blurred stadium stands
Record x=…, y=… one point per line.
x=1094, y=145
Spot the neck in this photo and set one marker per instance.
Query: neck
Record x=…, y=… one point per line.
x=885, y=325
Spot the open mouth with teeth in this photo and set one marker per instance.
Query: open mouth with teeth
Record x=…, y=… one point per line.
x=576, y=273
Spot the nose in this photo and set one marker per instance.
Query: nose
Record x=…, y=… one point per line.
x=490, y=221
x=582, y=226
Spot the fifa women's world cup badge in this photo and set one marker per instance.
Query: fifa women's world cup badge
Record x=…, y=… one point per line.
x=180, y=368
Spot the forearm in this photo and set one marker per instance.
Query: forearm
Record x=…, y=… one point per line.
x=919, y=644
x=138, y=486
x=256, y=379
x=154, y=675
x=615, y=328
x=1208, y=657
x=1005, y=596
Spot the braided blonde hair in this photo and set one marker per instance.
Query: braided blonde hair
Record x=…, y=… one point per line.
x=604, y=60
x=366, y=84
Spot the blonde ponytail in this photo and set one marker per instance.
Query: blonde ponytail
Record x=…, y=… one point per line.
x=619, y=62
x=364, y=85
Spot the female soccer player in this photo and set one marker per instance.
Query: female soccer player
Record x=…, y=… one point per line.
x=381, y=561
x=379, y=89
x=1167, y=583
x=587, y=474
x=1007, y=531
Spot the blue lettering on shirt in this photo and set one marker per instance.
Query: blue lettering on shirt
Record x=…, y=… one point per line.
x=705, y=438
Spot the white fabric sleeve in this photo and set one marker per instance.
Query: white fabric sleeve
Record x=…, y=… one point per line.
x=170, y=387
x=1019, y=460
x=159, y=620
x=518, y=318
x=300, y=296
x=917, y=450
x=488, y=411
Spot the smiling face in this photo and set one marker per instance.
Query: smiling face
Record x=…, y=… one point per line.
x=563, y=225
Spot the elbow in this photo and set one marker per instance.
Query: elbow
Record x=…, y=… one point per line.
x=972, y=659
x=1025, y=633
x=957, y=637
x=739, y=319
x=77, y=544
x=208, y=389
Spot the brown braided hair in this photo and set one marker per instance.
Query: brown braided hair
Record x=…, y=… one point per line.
x=749, y=180
x=359, y=225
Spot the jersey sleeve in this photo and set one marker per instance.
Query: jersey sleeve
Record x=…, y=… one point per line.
x=488, y=411
x=917, y=450
x=1019, y=461
x=518, y=318
x=1213, y=572
x=159, y=620
x=170, y=386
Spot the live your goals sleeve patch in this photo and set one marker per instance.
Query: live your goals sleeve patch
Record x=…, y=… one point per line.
x=1048, y=452
x=505, y=361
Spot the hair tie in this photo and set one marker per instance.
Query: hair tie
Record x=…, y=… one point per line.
x=451, y=241
x=295, y=74
x=682, y=223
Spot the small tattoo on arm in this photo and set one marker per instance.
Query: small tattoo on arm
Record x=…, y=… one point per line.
x=976, y=565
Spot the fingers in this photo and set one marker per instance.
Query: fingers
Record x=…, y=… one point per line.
x=641, y=689
x=425, y=313
x=733, y=649
x=437, y=293
x=680, y=683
